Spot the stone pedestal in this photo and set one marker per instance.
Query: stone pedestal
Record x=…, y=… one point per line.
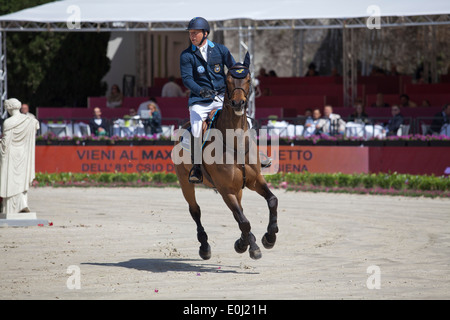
x=23, y=219
x=18, y=216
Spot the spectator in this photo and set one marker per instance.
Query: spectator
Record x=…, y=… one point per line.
x=420, y=78
x=144, y=105
x=405, y=102
x=394, y=71
x=311, y=70
x=272, y=74
x=331, y=123
x=311, y=123
x=115, y=98
x=25, y=109
x=154, y=121
x=379, y=103
x=98, y=125
x=307, y=116
x=440, y=119
x=334, y=72
x=359, y=116
x=426, y=103
x=133, y=117
x=262, y=73
x=358, y=101
x=395, y=122
x=377, y=72
x=132, y=112
x=171, y=89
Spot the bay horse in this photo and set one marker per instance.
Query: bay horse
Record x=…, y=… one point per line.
x=229, y=179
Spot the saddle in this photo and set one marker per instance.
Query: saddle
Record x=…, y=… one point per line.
x=210, y=121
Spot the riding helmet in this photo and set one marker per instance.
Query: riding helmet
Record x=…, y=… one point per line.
x=199, y=23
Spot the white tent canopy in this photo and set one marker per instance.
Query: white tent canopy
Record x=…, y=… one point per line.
x=97, y=15
x=179, y=10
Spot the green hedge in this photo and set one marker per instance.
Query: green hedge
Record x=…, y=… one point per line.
x=381, y=183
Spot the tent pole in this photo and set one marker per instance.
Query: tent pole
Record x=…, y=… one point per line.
x=345, y=65
x=246, y=45
x=349, y=61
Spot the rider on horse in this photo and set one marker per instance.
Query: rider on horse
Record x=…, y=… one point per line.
x=202, y=71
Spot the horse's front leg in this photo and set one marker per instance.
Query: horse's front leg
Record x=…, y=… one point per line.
x=270, y=237
x=202, y=237
x=194, y=209
x=247, y=238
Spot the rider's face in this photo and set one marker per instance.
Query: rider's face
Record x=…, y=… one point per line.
x=196, y=37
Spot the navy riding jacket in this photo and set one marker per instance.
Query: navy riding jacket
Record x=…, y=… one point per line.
x=196, y=73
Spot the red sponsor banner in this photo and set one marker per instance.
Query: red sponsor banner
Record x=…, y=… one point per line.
x=96, y=159
x=327, y=159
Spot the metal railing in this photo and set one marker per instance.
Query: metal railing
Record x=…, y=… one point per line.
x=418, y=125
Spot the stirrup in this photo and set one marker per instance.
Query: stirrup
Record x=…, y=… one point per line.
x=194, y=179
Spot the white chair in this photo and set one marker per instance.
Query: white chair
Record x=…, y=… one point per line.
x=445, y=130
x=81, y=129
x=353, y=129
x=374, y=131
x=425, y=128
x=167, y=131
x=59, y=129
x=403, y=130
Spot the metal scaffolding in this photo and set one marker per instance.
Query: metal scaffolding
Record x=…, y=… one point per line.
x=246, y=28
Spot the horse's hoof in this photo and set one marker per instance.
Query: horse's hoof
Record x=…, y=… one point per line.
x=238, y=247
x=255, y=254
x=205, y=254
x=268, y=241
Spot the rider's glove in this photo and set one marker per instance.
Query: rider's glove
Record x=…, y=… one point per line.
x=207, y=93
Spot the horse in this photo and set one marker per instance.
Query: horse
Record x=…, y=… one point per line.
x=229, y=179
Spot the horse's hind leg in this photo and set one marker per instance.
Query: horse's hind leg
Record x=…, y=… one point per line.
x=194, y=209
x=268, y=240
x=247, y=238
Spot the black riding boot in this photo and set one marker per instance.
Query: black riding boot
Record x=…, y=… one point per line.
x=195, y=174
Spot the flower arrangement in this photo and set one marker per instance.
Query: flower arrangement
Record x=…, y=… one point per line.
x=51, y=138
x=419, y=137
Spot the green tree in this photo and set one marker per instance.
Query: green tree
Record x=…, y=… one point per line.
x=54, y=69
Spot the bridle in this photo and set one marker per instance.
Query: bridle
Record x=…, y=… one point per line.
x=246, y=94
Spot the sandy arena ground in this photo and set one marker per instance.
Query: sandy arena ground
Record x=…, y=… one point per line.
x=141, y=244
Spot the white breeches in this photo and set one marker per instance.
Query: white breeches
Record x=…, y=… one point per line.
x=199, y=112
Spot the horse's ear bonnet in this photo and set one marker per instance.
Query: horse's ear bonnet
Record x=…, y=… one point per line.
x=240, y=70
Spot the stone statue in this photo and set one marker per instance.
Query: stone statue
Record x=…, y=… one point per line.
x=17, y=154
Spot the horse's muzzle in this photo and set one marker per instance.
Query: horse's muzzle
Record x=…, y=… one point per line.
x=238, y=106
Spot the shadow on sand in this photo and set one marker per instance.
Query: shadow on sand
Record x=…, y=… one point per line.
x=178, y=265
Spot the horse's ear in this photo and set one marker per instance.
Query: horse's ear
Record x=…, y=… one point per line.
x=247, y=60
